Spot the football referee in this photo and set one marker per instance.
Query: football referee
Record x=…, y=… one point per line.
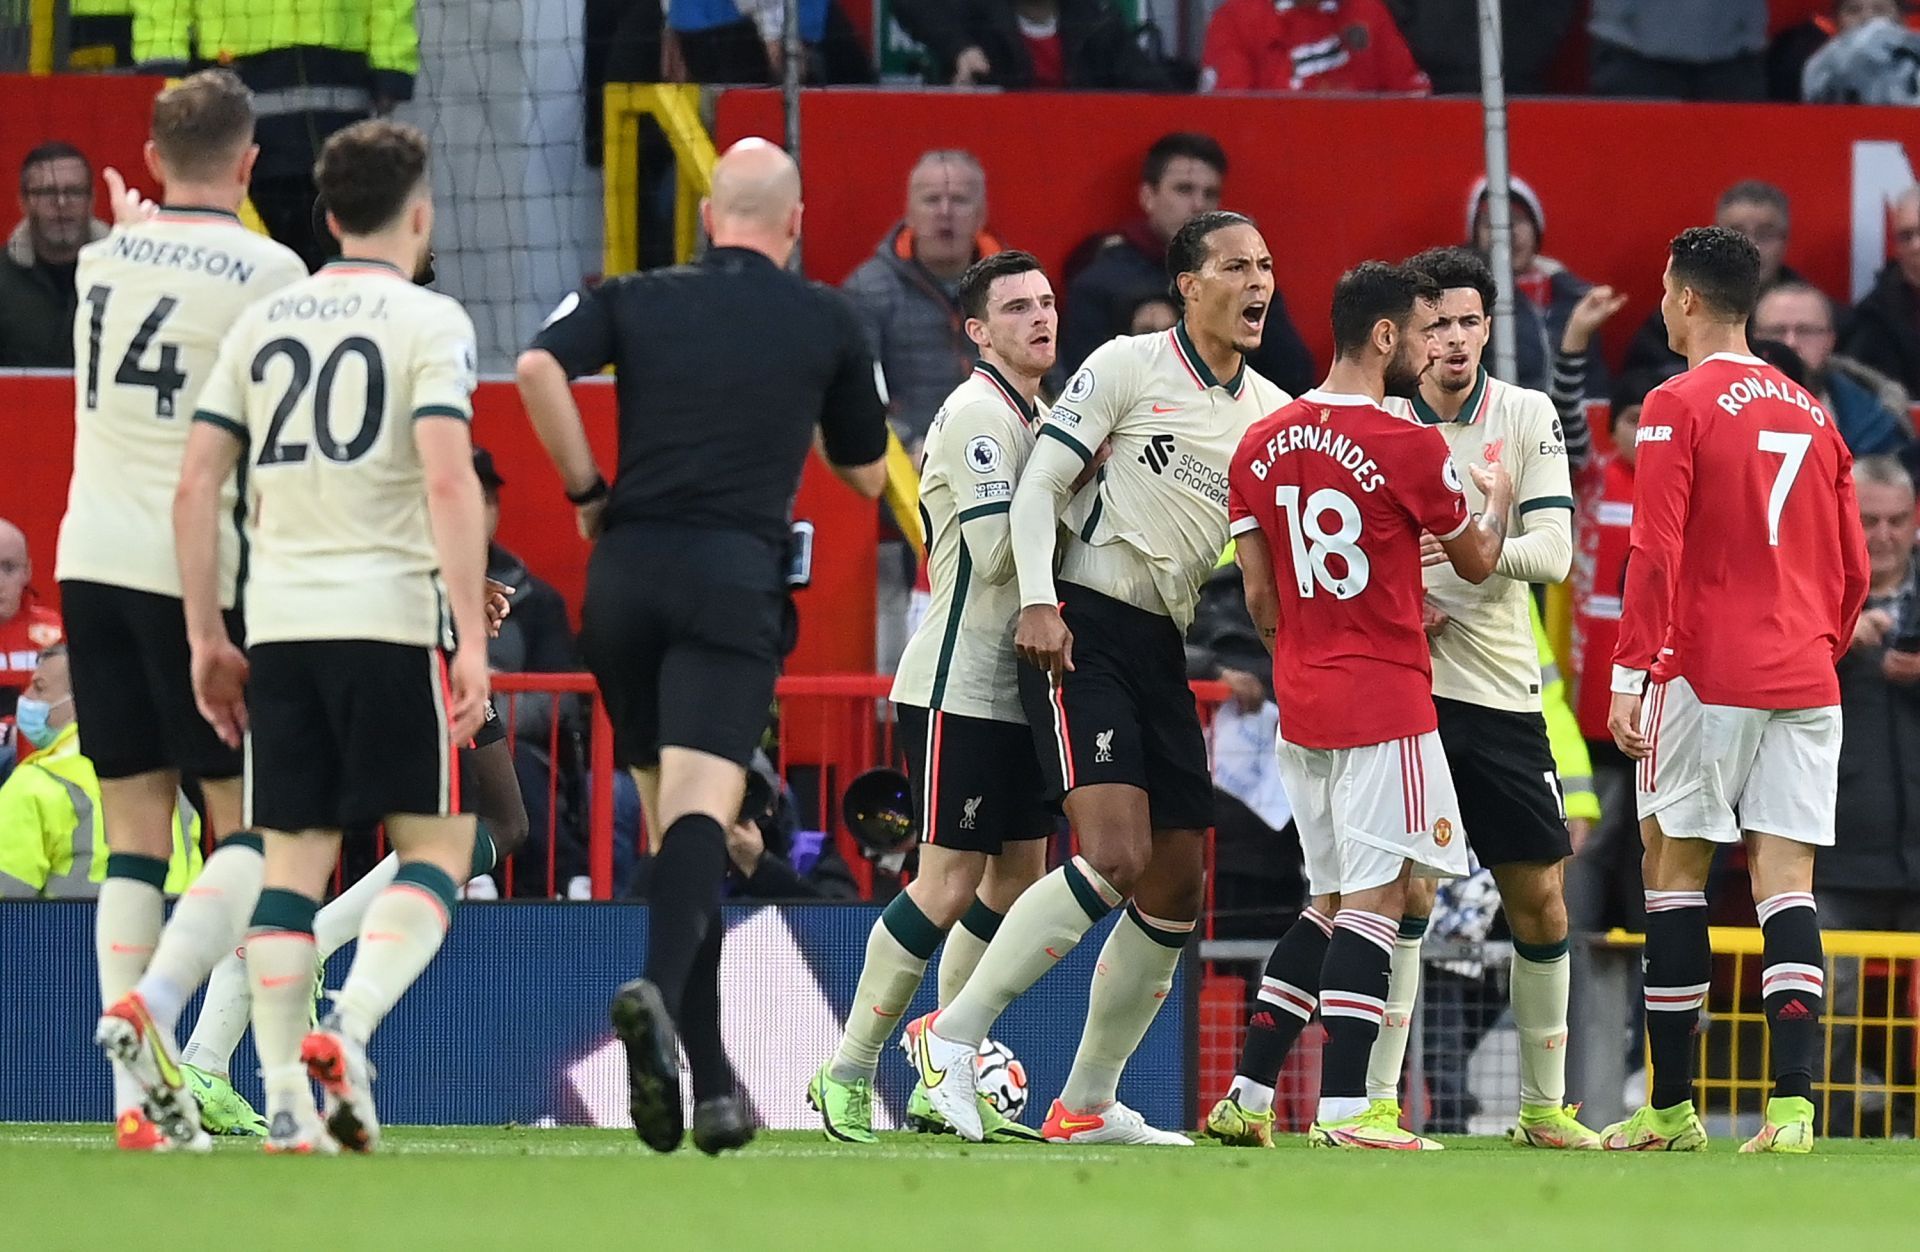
x=724, y=368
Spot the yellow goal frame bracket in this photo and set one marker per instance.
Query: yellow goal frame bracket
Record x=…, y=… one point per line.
x=675, y=107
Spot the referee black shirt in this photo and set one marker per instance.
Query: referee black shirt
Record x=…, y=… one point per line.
x=722, y=370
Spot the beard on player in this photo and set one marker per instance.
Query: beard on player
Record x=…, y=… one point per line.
x=1412, y=357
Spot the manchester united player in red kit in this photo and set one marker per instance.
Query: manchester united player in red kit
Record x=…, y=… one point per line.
x=1748, y=569
x=1328, y=497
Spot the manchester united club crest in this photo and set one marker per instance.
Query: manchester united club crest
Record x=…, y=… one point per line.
x=1442, y=833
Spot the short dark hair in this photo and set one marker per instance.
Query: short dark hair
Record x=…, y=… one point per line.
x=1756, y=191
x=202, y=122
x=1629, y=389
x=977, y=283
x=1371, y=291
x=1457, y=267
x=53, y=150
x=1182, y=143
x=1188, y=251
x=1722, y=265
x=367, y=172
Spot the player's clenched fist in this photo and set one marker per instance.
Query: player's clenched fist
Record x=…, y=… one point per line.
x=1042, y=639
x=220, y=689
x=468, y=677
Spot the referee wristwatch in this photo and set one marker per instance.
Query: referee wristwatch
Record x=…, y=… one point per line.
x=598, y=491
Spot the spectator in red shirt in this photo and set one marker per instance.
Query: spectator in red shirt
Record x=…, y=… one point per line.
x=1308, y=45
x=26, y=628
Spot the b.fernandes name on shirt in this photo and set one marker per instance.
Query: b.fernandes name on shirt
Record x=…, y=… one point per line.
x=1350, y=455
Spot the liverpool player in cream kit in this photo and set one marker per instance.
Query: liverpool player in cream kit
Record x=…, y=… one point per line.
x=348, y=395
x=156, y=295
x=976, y=780
x=1103, y=675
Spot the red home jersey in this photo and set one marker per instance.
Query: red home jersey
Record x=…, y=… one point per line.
x=1341, y=491
x=1748, y=565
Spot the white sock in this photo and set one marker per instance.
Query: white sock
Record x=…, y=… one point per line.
x=889, y=978
x=1540, y=1017
x=338, y=923
x=403, y=929
x=1045, y=923
x=1388, y=1059
x=279, y=968
x=126, y=925
x=1252, y=1096
x=966, y=944
x=223, y=1018
x=207, y=924
x=1340, y=1108
x=1130, y=983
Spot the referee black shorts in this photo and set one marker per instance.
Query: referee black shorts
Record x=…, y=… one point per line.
x=1506, y=781
x=976, y=782
x=681, y=627
x=1124, y=713
x=133, y=683
x=343, y=733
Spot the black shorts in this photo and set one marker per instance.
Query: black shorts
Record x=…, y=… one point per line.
x=492, y=730
x=1124, y=713
x=1508, y=786
x=345, y=732
x=682, y=630
x=133, y=683
x=976, y=783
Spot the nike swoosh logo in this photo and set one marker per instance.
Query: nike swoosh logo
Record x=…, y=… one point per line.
x=880, y=1012
x=1073, y=1125
x=1055, y=955
x=1166, y=408
x=282, y=980
x=928, y=1074
x=127, y=949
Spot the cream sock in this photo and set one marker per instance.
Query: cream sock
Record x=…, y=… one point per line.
x=897, y=952
x=1388, y=1059
x=279, y=964
x=126, y=925
x=1044, y=924
x=223, y=1017
x=1130, y=983
x=338, y=922
x=1540, y=985
x=966, y=944
x=207, y=925
x=403, y=929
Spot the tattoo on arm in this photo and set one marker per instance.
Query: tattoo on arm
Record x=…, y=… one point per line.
x=1494, y=524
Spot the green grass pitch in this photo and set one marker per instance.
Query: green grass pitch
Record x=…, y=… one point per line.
x=576, y=1190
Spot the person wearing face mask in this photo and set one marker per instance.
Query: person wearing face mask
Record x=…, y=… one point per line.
x=52, y=842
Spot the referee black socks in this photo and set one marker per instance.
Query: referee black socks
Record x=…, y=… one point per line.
x=683, y=941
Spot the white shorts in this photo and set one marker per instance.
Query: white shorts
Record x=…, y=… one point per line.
x=1716, y=770
x=1362, y=812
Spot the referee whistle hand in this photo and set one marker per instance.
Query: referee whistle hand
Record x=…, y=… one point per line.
x=220, y=690
x=1623, y=719
x=467, y=708
x=1042, y=639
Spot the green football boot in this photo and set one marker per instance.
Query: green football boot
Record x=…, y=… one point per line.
x=223, y=1111
x=1789, y=1128
x=845, y=1108
x=1677, y=1129
x=1238, y=1127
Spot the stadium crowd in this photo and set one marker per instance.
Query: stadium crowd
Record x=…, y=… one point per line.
x=1862, y=361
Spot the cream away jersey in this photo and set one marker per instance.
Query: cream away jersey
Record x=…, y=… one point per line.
x=1157, y=522
x=960, y=659
x=1487, y=655
x=324, y=382
x=155, y=299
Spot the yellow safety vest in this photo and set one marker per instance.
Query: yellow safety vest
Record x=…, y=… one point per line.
x=53, y=840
